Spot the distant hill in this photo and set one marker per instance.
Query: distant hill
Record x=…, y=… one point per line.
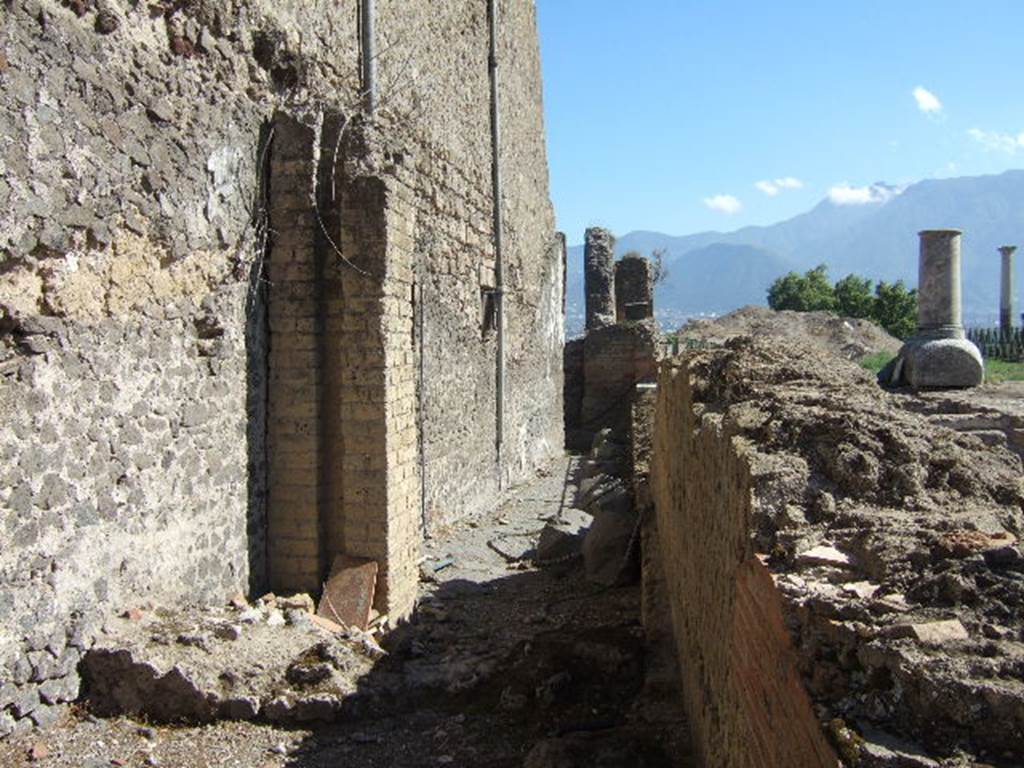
x=715, y=272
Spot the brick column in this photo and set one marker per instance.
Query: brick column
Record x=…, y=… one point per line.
x=373, y=503
x=295, y=546
x=634, y=288
x=599, y=277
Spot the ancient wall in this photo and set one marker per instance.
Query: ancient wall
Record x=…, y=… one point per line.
x=739, y=673
x=615, y=359
x=158, y=167
x=455, y=268
x=842, y=573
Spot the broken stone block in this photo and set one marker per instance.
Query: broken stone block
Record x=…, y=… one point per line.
x=302, y=673
x=229, y=632
x=862, y=589
x=348, y=593
x=26, y=701
x=512, y=548
x=297, y=618
x=300, y=601
x=251, y=616
x=825, y=555
x=562, y=538
x=240, y=708
x=326, y=624
x=933, y=632
x=45, y=716
x=608, y=551
x=7, y=723
x=322, y=706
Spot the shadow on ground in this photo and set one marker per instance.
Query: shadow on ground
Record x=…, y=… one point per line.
x=536, y=664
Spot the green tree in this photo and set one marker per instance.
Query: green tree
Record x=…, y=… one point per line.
x=853, y=297
x=803, y=293
x=895, y=308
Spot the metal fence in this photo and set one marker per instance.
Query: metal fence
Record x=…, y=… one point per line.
x=996, y=344
x=671, y=345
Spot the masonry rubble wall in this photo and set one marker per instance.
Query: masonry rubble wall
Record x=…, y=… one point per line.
x=843, y=575
x=634, y=288
x=615, y=359
x=161, y=344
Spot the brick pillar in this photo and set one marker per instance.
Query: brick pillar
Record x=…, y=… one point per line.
x=342, y=424
x=295, y=544
x=373, y=508
x=599, y=277
x=634, y=288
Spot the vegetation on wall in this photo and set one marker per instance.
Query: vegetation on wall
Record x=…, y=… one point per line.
x=891, y=305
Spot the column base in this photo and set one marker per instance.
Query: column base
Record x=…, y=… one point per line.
x=936, y=363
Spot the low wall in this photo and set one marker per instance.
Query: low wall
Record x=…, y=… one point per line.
x=840, y=571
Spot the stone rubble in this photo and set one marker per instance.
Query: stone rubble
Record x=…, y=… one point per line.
x=269, y=661
x=892, y=544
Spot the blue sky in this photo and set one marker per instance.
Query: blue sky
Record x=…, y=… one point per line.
x=666, y=114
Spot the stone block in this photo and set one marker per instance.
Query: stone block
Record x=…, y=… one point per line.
x=349, y=591
x=563, y=537
x=937, y=363
x=933, y=633
x=26, y=701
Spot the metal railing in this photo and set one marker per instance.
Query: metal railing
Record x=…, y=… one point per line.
x=996, y=344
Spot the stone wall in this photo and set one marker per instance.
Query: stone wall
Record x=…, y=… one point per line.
x=158, y=183
x=842, y=573
x=615, y=359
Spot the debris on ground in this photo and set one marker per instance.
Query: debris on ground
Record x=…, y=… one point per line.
x=893, y=544
x=849, y=337
x=269, y=660
x=497, y=658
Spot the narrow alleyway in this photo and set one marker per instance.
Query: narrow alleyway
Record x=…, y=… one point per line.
x=503, y=664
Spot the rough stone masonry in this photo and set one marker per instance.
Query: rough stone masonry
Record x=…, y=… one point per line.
x=241, y=321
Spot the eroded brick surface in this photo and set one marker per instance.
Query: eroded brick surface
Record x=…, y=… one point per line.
x=843, y=573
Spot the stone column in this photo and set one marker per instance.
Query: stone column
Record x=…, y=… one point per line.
x=1006, y=290
x=633, y=288
x=599, y=277
x=939, y=355
x=938, y=285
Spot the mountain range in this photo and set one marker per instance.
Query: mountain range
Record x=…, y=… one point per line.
x=715, y=272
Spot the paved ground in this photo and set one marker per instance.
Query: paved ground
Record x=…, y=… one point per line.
x=500, y=658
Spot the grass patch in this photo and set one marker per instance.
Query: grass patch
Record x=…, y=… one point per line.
x=1000, y=370
x=876, y=361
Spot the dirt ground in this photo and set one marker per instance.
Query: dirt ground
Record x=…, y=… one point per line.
x=503, y=664
x=849, y=337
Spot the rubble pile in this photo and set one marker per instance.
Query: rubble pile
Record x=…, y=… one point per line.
x=892, y=543
x=849, y=337
x=273, y=660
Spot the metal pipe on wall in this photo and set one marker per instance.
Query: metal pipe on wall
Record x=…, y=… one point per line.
x=499, y=267
x=368, y=55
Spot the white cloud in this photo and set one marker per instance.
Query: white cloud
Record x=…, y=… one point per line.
x=844, y=194
x=927, y=101
x=997, y=141
x=723, y=203
x=775, y=186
